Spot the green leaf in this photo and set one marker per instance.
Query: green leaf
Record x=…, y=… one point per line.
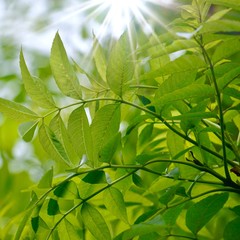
x=114, y=202
x=171, y=215
x=108, y=150
x=16, y=111
x=67, y=231
x=35, y=87
x=199, y=214
x=58, y=127
x=226, y=3
x=188, y=92
x=63, y=72
x=80, y=134
x=95, y=222
x=27, y=130
x=232, y=230
x=52, y=145
x=236, y=209
x=105, y=125
x=226, y=49
x=99, y=59
x=67, y=190
x=95, y=177
x=35, y=223
x=138, y=181
x=53, y=207
x=46, y=180
x=120, y=68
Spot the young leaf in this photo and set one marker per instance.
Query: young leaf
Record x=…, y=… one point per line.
x=16, y=111
x=80, y=133
x=95, y=222
x=63, y=72
x=27, y=130
x=199, y=214
x=52, y=145
x=232, y=231
x=46, y=180
x=35, y=87
x=99, y=59
x=188, y=92
x=120, y=68
x=114, y=202
x=105, y=125
x=58, y=127
x=53, y=207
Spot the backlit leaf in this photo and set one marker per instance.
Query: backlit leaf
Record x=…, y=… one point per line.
x=63, y=72
x=46, y=180
x=67, y=190
x=80, y=134
x=35, y=87
x=16, y=111
x=114, y=202
x=52, y=145
x=95, y=222
x=199, y=214
x=120, y=68
x=27, y=130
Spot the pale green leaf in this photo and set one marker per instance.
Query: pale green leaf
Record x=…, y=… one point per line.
x=219, y=14
x=226, y=49
x=105, y=125
x=52, y=145
x=95, y=222
x=67, y=190
x=58, y=127
x=35, y=87
x=199, y=214
x=67, y=231
x=63, y=72
x=114, y=202
x=232, y=230
x=46, y=180
x=120, y=68
x=16, y=111
x=80, y=134
x=99, y=59
x=188, y=92
x=226, y=3
x=27, y=130
x=193, y=116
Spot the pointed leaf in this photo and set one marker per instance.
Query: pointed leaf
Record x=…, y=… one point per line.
x=105, y=125
x=46, y=180
x=232, y=230
x=114, y=202
x=27, y=130
x=53, y=207
x=52, y=145
x=188, y=92
x=120, y=67
x=58, y=127
x=67, y=190
x=63, y=72
x=35, y=87
x=99, y=59
x=80, y=133
x=16, y=111
x=95, y=222
x=95, y=177
x=199, y=214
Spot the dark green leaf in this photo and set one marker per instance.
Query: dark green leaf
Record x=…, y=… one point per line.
x=138, y=181
x=232, y=230
x=53, y=207
x=35, y=223
x=199, y=214
x=95, y=177
x=67, y=190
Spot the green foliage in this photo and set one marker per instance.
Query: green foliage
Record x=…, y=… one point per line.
x=150, y=149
